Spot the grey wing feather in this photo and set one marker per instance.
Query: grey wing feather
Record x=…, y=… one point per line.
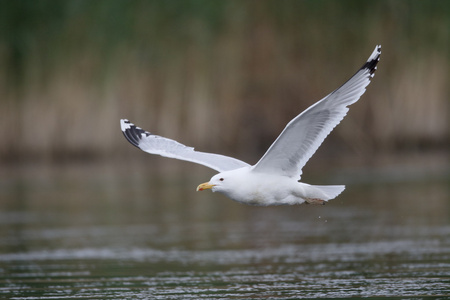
x=305, y=133
x=155, y=144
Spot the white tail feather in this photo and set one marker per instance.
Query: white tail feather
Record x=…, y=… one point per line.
x=329, y=192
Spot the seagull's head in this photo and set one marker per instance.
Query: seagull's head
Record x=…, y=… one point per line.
x=225, y=182
x=217, y=183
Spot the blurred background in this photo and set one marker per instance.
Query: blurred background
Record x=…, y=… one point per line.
x=223, y=76
x=85, y=214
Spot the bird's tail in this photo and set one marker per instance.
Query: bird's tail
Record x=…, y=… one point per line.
x=329, y=192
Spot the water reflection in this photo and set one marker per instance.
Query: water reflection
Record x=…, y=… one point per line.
x=116, y=232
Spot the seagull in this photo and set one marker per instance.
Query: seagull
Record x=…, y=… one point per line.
x=275, y=178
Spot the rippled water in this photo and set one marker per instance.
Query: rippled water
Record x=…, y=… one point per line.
x=101, y=232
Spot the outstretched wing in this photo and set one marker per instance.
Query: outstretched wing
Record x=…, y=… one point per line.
x=155, y=144
x=306, y=132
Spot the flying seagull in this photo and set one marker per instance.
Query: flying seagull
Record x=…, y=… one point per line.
x=274, y=179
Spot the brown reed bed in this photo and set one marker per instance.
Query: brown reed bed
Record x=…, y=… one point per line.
x=223, y=76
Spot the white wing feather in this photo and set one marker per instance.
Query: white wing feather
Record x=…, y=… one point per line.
x=155, y=144
x=305, y=133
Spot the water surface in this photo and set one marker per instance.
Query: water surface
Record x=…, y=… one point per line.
x=105, y=232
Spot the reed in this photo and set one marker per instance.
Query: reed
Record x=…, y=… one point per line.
x=225, y=76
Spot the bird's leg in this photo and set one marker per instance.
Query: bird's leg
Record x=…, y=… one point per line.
x=314, y=201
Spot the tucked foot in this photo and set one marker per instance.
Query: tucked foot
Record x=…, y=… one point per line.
x=316, y=201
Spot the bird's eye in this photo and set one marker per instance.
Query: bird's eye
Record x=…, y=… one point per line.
x=221, y=179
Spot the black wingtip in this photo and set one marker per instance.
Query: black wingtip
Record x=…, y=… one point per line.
x=371, y=64
x=132, y=133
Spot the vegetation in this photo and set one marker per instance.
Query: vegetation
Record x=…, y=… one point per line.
x=225, y=76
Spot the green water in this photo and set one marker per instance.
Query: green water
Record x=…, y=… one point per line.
x=105, y=232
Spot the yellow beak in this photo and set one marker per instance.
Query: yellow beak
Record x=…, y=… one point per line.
x=205, y=186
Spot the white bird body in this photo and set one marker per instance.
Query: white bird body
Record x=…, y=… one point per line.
x=273, y=180
x=246, y=186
